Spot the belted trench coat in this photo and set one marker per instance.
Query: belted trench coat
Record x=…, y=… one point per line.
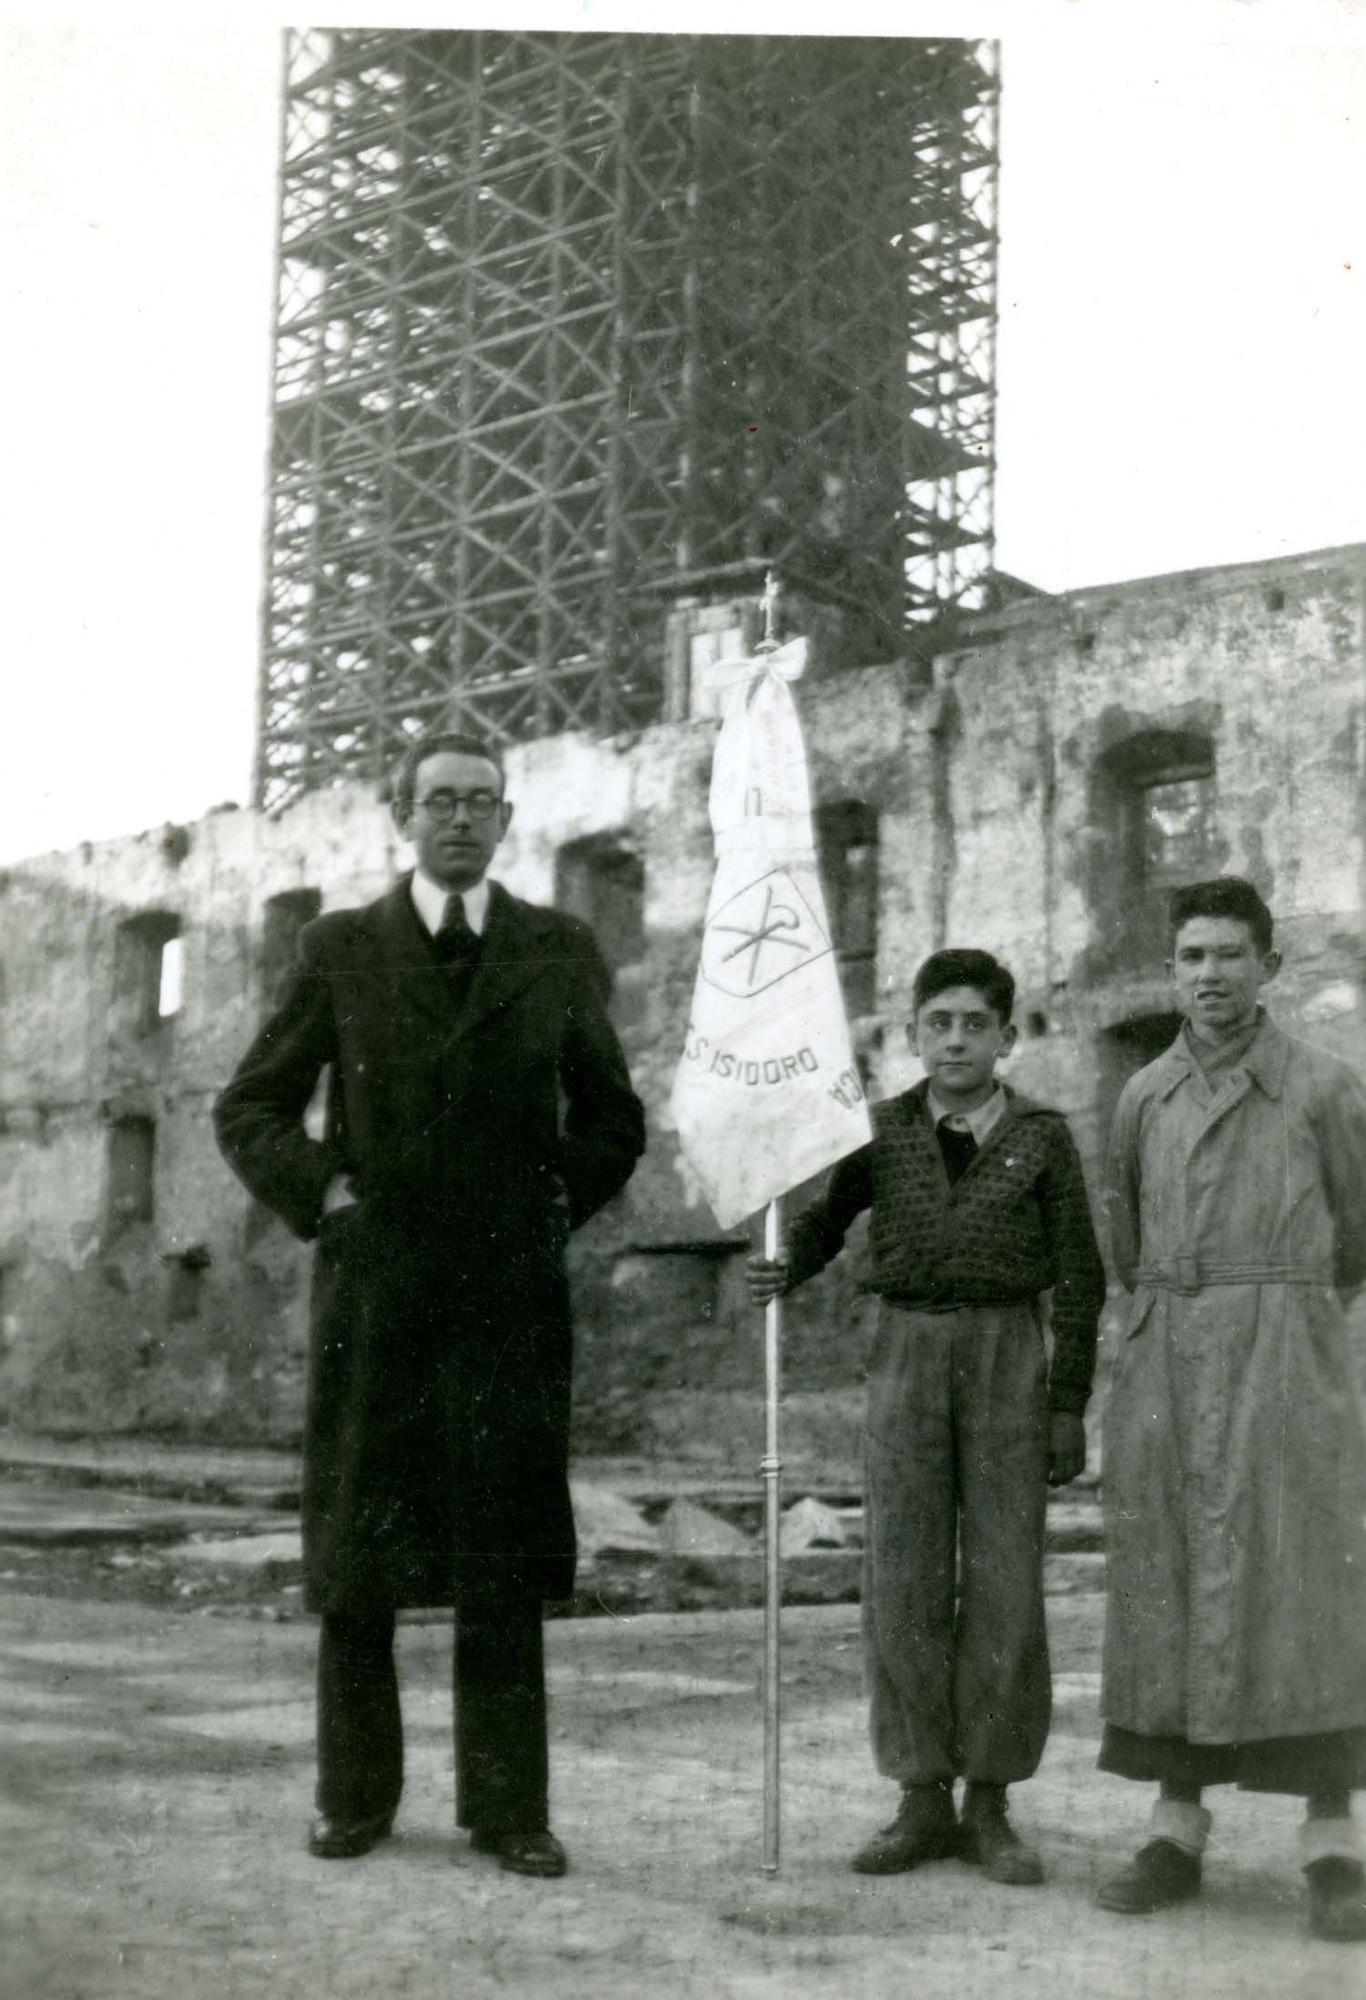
x=1234, y=1460
x=478, y=1120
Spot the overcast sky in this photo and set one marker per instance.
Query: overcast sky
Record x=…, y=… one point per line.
x=1183, y=325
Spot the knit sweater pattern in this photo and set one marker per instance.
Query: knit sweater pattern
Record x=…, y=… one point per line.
x=1017, y=1224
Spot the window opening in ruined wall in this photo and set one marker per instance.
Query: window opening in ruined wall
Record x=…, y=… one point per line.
x=1162, y=834
x=185, y=1283
x=1173, y=828
x=170, y=979
x=1168, y=782
x=131, y=1159
x=847, y=850
x=149, y=970
x=284, y=917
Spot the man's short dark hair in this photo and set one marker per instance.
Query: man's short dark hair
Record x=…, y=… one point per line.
x=1225, y=896
x=432, y=745
x=944, y=969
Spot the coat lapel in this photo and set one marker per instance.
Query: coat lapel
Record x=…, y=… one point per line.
x=1224, y=1097
x=410, y=969
x=513, y=956
x=508, y=961
x=1263, y=1065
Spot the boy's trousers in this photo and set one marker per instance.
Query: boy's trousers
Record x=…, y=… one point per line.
x=956, y=1444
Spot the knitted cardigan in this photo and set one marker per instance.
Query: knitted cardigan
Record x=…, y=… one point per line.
x=1016, y=1224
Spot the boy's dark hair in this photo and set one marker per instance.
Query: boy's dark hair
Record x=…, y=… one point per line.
x=431, y=745
x=1225, y=896
x=944, y=969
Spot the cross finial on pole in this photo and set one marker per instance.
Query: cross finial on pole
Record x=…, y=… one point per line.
x=769, y=601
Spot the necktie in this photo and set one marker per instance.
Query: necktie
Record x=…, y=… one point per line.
x=957, y=1146
x=454, y=939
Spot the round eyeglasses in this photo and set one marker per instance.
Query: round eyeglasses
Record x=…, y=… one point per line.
x=443, y=806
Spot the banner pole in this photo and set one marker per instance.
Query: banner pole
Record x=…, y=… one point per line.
x=771, y=1468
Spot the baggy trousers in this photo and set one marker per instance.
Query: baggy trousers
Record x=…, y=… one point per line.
x=956, y=1485
x=501, y=1758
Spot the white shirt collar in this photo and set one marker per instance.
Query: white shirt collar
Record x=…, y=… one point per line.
x=981, y=1121
x=429, y=900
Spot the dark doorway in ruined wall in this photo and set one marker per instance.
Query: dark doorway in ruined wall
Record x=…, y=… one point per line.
x=847, y=850
x=1156, y=799
x=601, y=879
x=1127, y=1047
x=284, y=917
x=130, y=1174
x=185, y=1283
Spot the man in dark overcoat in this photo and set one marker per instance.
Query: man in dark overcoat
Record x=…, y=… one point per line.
x=478, y=1109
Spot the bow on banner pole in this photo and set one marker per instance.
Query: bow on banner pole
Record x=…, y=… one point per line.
x=767, y=1091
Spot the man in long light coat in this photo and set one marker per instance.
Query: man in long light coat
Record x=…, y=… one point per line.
x=1235, y=1449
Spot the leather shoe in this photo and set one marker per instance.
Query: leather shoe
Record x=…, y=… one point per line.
x=333, y=1839
x=1337, y=1899
x=534, y=1853
x=989, y=1839
x=923, y=1830
x=1159, y=1875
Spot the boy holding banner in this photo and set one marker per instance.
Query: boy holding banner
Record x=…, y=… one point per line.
x=978, y=1206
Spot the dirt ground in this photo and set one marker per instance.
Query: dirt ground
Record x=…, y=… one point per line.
x=156, y=1790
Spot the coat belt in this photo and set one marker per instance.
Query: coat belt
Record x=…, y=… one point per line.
x=1192, y=1274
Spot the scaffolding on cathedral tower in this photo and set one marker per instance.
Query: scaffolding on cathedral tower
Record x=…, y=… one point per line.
x=573, y=327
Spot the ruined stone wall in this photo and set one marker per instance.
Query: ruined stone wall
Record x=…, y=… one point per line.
x=1000, y=793
x=1266, y=663
x=192, y=1319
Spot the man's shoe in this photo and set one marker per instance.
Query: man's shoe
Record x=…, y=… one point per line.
x=989, y=1838
x=333, y=1839
x=923, y=1830
x=534, y=1853
x=1159, y=1875
x=1337, y=1899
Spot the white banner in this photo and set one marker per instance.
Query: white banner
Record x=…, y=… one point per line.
x=767, y=1092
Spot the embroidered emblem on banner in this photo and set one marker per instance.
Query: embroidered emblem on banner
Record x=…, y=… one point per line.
x=761, y=935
